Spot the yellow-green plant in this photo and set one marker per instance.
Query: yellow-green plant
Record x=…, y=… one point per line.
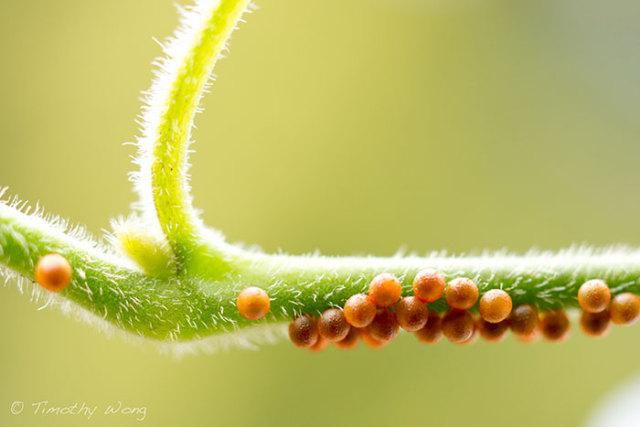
x=165, y=276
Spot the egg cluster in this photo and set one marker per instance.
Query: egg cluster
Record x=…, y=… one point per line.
x=377, y=316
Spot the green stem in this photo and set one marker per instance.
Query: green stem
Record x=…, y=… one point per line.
x=187, y=308
x=197, y=299
x=189, y=70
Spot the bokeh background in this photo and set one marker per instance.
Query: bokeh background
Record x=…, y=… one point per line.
x=350, y=127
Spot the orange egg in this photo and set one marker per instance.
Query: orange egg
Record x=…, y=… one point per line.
x=384, y=326
x=333, y=325
x=53, y=272
x=385, y=290
x=554, y=325
x=458, y=326
x=461, y=293
x=253, y=303
x=594, y=296
x=625, y=309
x=495, y=306
x=492, y=332
x=524, y=321
x=595, y=324
x=428, y=285
x=359, y=311
x=412, y=313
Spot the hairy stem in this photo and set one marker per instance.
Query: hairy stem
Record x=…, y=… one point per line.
x=205, y=38
x=146, y=294
x=189, y=307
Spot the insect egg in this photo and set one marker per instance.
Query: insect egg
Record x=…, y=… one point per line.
x=595, y=324
x=524, y=320
x=53, y=272
x=495, y=305
x=461, y=293
x=625, y=309
x=492, y=332
x=253, y=303
x=384, y=326
x=428, y=285
x=303, y=331
x=385, y=290
x=333, y=325
x=412, y=313
x=554, y=325
x=359, y=311
x=458, y=326
x=594, y=296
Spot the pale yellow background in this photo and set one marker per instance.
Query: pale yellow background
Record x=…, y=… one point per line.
x=351, y=127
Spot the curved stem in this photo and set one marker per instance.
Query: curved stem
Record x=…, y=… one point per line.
x=191, y=58
x=187, y=308
x=198, y=298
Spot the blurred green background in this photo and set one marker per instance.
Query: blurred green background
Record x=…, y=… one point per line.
x=349, y=127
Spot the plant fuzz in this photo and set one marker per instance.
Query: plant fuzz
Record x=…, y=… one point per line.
x=162, y=275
